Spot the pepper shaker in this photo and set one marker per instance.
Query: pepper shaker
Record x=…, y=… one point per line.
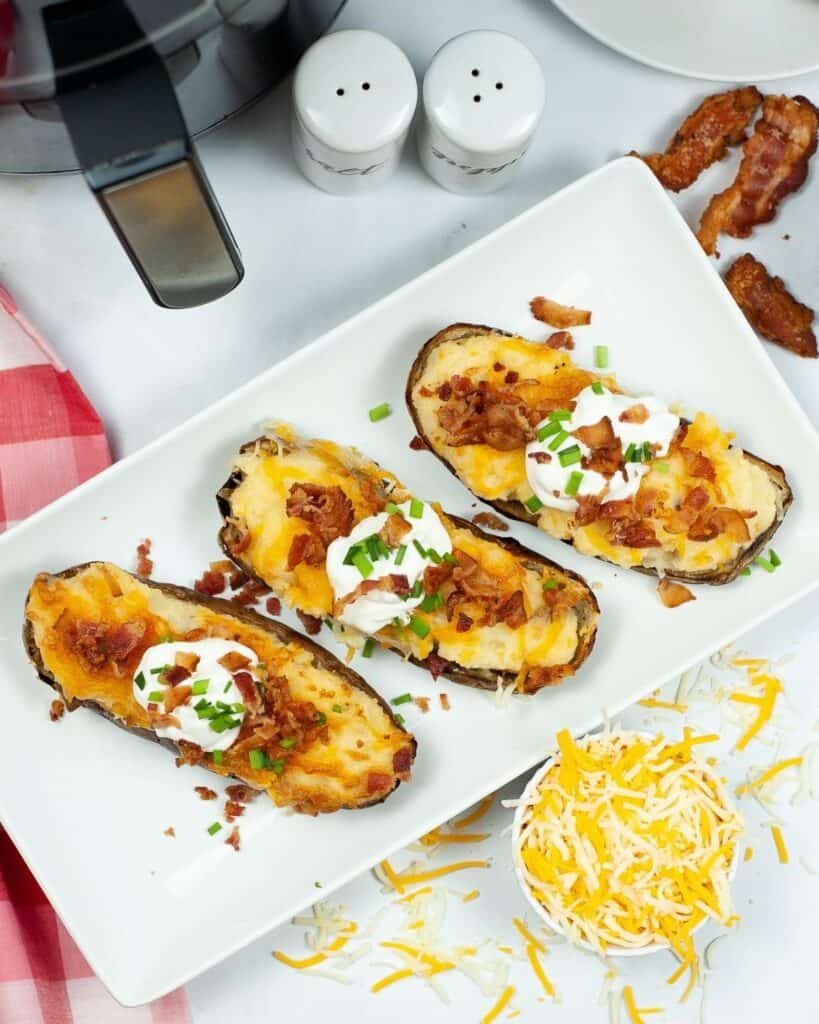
x=482, y=98
x=354, y=96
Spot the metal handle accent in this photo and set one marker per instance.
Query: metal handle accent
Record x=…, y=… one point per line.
x=132, y=143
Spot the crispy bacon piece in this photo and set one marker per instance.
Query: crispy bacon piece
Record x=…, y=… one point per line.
x=623, y=508
x=774, y=164
x=222, y=565
x=634, y=414
x=697, y=464
x=311, y=623
x=436, y=664
x=377, y=781
x=240, y=536
x=402, y=761
x=704, y=136
x=159, y=720
x=588, y=509
x=436, y=575
x=144, y=565
x=233, y=661
x=673, y=594
x=394, y=530
x=189, y=753
x=464, y=623
x=596, y=435
x=560, y=339
x=204, y=793
x=251, y=592
x=273, y=606
x=307, y=548
x=714, y=522
x=241, y=794
x=422, y=703
x=187, y=660
x=97, y=643
x=444, y=699
x=56, y=710
x=176, y=696
x=512, y=611
x=418, y=444
x=170, y=831
x=237, y=579
x=471, y=578
x=328, y=509
x=233, y=810
x=490, y=521
x=210, y=583
x=771, y=309
x=512, y=377
x=633, y=533
x=556, y=315
x=246, y=685
x=484, y=416
x=679, y=520
x=541, y=458
x=395, y=583
x=173, y=675
x=233, y=839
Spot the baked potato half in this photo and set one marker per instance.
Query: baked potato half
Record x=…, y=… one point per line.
x=269, y=706
x=632, y=484
x=338, y=538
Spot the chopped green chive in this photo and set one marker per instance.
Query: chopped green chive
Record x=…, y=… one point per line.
x=209, y=711
x=321, y=718
x=399, y=554
x=633, y=454
x=277, y=765
x=363, y=564
x=550, y=584
x=662, y=467
x=222, y=723
x=573, y=484
x=648, y=453
x=405, y=698
x=557, y=441
x=559, y=415
x=338, y=709
x=418, y=627
x=367, y=651
x=569, y=456
x=597, y=388
x=399, y=719
x=379, y=412
x=156, y=695
x=431, y=602
x=419, y=548
x=433, y=555
x=744, y=572
x=448, y=557
x=534, y=504
x=547, y=430
x=399, y=629
x=371, y=544
x=156, y=671
x=218, y=756
x=237, y=708
x=139, y=679
x=393, y=509
x=258, y=760
x=774, y=557
x=214, y=828
x=228, y=685
x=288, y=744
x=416, y=509
x=199, y=687
x=417, y=589
x=601, y=357
x=763, y=563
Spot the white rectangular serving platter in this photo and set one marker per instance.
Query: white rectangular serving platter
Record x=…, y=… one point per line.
x=87, y=804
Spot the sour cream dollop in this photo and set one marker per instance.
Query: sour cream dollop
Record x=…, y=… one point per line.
x=213, y=717
x=549, y=479
x=378, y=608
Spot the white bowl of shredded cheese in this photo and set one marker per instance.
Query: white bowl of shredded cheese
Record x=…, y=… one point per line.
x=626, y=843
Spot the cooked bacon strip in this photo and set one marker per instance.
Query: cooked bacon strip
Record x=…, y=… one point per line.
x=237, y=579
x=176, y=696
x=328, y=509
x=273, y=606
x=774, y=164
x=144, y=565
x=402, y=762
x=634, y=414
x=311, y=623
x=97, y=643
x=633, y=534
x=770, y=308
x=233, y=810
x=307, y=548
x=233, y=661
x=56, y=710
x=490, y=521
x=704, y=136
x=187, y=660
x=395, y=583
x=484, y=416
x=251, y=592
x=418, y=444
x=204, y=793
x=422, y=703
x=697, y=464
x=596, y=435
x=376, y=781
x=556, y=315
x=673, y=594
x=444, y=699
x=210, y=583
x=222, y=565
x=560, y=339
x=436, y=664
x=394, y=530
x=233, y=839
x=464, y=623
x=240, y=793
x=173, y=675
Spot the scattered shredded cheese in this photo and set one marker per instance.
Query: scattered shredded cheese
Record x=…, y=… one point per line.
x=760, y=780
x=500, y=1005
x=779, y=842
x=473, y=895
x=667, y=705
x=475, y=815
x=540, y=974
x=403, y=880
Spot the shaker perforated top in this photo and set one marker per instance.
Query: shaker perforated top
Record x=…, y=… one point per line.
x=484, y=90
x=355, y=91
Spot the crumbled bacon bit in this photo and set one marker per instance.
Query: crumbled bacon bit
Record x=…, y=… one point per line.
x=631, y=534
x=307, y=548
x=223, y=566
x=634, y=414
x=556, y=315
x=233, y=810
x=251, y=592
x=161, y=721
x=402, y=762
x=490, y=521
x=311, y=623
x=210, y=583
x=394, y=530
x=173, y=675
x=237, y=579
x=512, y=611
x=560, y=339
x=541, y=458
x=673, y=594
x=464, y=623
x=175, y=696
x=190, y=754
x=242, y=541
x=96, y=642
x=378, y=781
x=144, y=565
x=205, y=793
x=445, y=391
x=246, y=685
x=170, y=831
x=422, y=703
x=233, y=661
x=56, y=710
x=597, y=435
x=498, y=367
x=435, y=664
x=698, y=464
x=273, y=606
x=233, y=839
x=327, y=509
x=240, y=793
x=187, y=660
x=444, y=699
x=477, y=415
x=512, y=377
x=418, y=444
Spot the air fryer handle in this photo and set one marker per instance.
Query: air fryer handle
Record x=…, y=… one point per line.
x=132, y=143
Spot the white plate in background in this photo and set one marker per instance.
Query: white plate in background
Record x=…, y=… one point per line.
x=722, y=40
x=87, y=804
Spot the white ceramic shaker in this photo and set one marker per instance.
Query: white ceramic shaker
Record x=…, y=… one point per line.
x=354, y=96
x=482, y=99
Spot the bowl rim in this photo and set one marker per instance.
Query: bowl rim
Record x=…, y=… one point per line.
x=520, y=870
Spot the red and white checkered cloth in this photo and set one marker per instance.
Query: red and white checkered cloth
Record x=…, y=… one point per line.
x=51, y=439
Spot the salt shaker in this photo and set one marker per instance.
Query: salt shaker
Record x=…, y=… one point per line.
x=483, y=96
x=354, y=96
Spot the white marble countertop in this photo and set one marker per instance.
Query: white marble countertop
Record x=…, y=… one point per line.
x=312, y=260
